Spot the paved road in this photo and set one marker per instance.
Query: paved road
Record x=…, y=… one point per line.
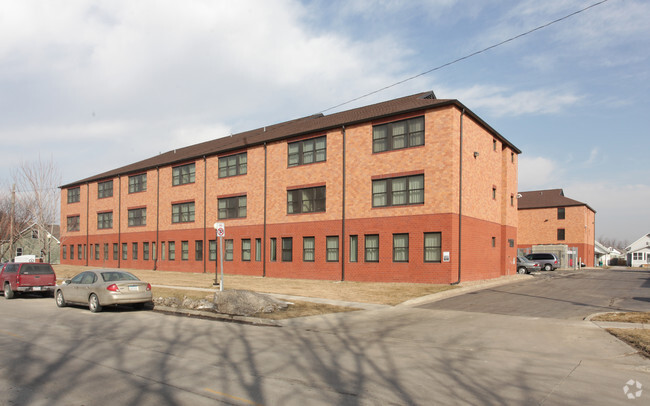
x=394, y=356
x=560, y=295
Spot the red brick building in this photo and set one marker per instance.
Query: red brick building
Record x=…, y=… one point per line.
x=415, y=189
x=547, y=217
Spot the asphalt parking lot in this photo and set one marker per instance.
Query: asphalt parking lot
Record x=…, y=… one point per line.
x=560, y=294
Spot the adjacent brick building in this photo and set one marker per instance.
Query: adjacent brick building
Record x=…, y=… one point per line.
x=547, y=217
x=415, y=189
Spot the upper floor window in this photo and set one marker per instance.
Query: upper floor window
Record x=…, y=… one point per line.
x=232, y=207
x=307, y=200
x=183, y=212
x=138, y=217
x=73, y=223
x=183, y=174
x=307, y=151
x=105, y=220
x=233, y=165
x=105, y=189
x=398, y=191
x=398, y=135
x=560, y=213
x=138, y=183
x=74, y=195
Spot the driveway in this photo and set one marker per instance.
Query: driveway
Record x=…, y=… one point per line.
x=570, y=295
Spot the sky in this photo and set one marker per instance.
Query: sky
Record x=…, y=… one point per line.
x=96, y=85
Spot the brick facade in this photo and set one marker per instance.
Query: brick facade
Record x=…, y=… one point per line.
x=488, y=227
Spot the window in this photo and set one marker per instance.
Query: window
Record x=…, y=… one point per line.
x=105, y=220
x=228, y=256
x=372, y=248
x=198, y=250
x=560, y=213
x=64, y=252
x=494, y=145
x=162, y=251
x=105, y=189
x=560, y=234
x=183, y=212
x=73, y=223
x=232, y=165
x=258, y=249
x=138, y=217
x=153, y=251
x=354, y=248
x=183, y=174
x=246, y=249
x=494, y=242
x=494, y=192
x=135, y=250
x=432, y=244
x=511, y=243
x=97, y=252
x=400, y=248
x=307, y=151
x=287, y=249
x=145, y=251
x=138, y=183
x=81, y=254
x=398, y=191
x=74, y=195
x=332, y=246
x=273, y=250
x=116, y=251
x=308, y=246
x=71, y=251
x=185, y=250
x=307, y=200
x=512, y=200
x=105, y=251
x=398, y=135
x=19, y=251
x=213, y=250
x=172, y=250
x=125, y=251
x=232, y=207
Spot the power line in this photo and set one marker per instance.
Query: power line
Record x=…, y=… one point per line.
x=470, y=55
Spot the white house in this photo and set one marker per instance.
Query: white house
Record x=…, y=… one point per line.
x=604, y=254
x=638, y=253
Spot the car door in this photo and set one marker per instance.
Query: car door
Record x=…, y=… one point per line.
x=78, y=288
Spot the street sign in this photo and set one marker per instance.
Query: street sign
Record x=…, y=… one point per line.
x=221, y=229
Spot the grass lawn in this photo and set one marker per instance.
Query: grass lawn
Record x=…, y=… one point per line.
x=636, y=337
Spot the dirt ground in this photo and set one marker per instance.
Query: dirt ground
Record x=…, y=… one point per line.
x=365, y=292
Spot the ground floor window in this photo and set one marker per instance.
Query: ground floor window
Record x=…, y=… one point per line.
x=273, y=250
x=185, y=250
x=354, y=248
x=228, y=256
x=432, y=246
x=172, y=250
x=246, y=249
x=308, y=247
x=287, y=249
x=400, y=248
x=198, y=250
x=372, y=248
x=145, y=251
x=332, y=248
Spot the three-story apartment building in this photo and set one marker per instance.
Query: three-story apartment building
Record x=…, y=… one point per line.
x=415, y=189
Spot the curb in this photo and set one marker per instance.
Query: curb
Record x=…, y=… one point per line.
x=203, y=314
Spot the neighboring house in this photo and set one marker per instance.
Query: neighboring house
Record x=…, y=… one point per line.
x=43, y=242
x=638, y=253
x=547, y=217
x=369, y=194
x=604, y=255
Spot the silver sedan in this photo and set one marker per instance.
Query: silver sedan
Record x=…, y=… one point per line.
x=103, y=287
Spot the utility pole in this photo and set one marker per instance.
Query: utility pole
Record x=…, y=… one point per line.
x=11, y=222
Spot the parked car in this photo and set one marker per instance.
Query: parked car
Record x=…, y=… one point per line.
x=103, y=287
x=547, y=261
x=525, y=265
x=23, y=277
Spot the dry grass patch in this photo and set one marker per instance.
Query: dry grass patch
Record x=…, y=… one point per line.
x=628, y=317
x=295, y=309
x=636, y=337
x=365, y=292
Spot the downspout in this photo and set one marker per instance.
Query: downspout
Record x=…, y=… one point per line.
x=205, y=213
x=264, y=226
x=155, y=260
x=87, y=223
x=119, y=233
x=343, y=212
x=460, y=198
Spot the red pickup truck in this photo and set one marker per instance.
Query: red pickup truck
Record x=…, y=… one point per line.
x=27, y=277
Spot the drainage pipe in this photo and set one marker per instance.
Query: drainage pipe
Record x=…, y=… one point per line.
x=460, y=198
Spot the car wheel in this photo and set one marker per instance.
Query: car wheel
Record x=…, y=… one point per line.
x=548, y=267
x=60, y=300
x=93, y=304
x=522, y=270
x=9, y=294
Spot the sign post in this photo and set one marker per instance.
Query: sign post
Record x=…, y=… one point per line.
x=221, y=232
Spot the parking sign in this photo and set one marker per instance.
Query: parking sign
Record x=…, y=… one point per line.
x=221, y=229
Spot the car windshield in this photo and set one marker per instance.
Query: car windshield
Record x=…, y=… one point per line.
x=118, y=276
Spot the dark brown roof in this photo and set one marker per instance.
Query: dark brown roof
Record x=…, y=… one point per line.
x=301, y=126
x=542, y=199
